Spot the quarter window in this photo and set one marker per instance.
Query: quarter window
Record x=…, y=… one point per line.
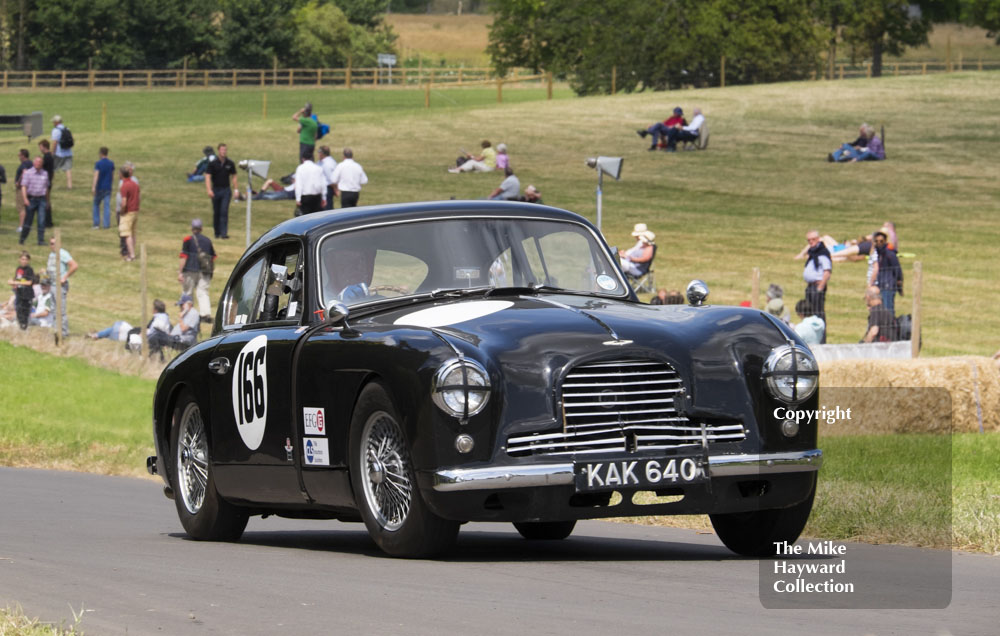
x=242, y=294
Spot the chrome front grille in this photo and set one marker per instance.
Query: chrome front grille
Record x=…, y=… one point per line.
x=621, y=405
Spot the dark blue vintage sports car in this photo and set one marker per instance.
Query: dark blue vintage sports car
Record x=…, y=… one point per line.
x=418, y=366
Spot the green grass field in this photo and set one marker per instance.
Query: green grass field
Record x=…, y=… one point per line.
x=746, y=202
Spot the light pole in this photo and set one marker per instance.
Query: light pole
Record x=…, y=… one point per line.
x=610, y=165
x=253, y=167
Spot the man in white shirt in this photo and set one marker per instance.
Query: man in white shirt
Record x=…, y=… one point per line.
x=685, y=133
x=310, y=185
x=328, y=164
x=348, y=177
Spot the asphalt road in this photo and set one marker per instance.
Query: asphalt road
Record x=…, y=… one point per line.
x=113, y=548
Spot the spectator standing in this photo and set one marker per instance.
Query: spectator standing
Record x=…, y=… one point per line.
x=885, y=273
x=66, y=267
x=811, y=328
x=130, y=167
x=129, y=191
x=64, y=150
x=49, y=165
x=308, y=127
x=34, y=193
x=104, y=172
x=24, y=292
x=509, y=189
x=881, y=322
x=197, y=266
x=819, y=267
x=220, y=185
x=310, y=185
x=328, y=164
x=24, y=160
x=348, y=177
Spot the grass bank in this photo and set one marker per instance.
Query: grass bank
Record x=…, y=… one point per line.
x=746, y=202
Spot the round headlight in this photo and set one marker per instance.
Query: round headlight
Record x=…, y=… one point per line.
x=791, y=373
x=461, y=388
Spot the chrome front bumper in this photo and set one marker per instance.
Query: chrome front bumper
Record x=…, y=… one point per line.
x=503, y=477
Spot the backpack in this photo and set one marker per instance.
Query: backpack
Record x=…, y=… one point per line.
x=205, y=262
x=66, y=139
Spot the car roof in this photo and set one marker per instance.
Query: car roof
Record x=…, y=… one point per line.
x=313, y=226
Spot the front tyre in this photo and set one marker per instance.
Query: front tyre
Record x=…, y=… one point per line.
x=545, y=530
x=753, y=534
x=203, y=513
x=385, y=485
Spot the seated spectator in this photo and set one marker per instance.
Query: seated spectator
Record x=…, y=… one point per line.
x=121, y=329
x=509, y=189
x=776, y=307
x=867, y=147
x=664, y=297
x=44, y=306
x=688, y=132
x=272, y=191
x=486, y=161
x=531, y=195
x=503, y=159
x=636, y=260
x=202, y=165
x=811, y=327
x=660, y=129
x=881, y=322
x=185, y=333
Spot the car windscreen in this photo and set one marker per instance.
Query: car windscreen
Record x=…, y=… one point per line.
x=386, y=261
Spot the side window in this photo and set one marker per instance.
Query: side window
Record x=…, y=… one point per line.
x=281, y=299
x=240, y=300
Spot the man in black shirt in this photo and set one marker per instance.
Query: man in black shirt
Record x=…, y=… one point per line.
x=221, y=173
x=881, y=323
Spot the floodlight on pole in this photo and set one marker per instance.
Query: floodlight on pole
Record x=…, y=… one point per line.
x=258, y=168
x=612, y=166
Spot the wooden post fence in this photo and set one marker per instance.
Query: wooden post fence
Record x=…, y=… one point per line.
x=104, y=117
x=499, y=90
x=57, y=324
x=614, y=79
x=263, y=107
x=548, y=82
x=144, y=350
x=918, y=283
x=427, y=95
x=722, y=72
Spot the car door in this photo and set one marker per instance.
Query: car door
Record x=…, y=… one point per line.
x=249, y=379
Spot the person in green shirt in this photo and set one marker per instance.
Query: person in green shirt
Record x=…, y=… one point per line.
x=308, y=128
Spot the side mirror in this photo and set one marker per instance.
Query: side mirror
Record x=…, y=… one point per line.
x=697, y=292
x=336, y=313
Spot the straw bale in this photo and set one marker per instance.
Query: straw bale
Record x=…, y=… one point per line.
x=898, y=396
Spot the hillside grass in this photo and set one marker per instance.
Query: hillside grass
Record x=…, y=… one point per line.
x=746, y=202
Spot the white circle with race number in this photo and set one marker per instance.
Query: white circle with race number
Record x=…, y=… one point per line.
x=250, y=391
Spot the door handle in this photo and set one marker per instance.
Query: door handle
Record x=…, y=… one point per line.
x=219, y=365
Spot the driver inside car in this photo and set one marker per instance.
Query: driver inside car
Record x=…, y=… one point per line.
x=349, y=274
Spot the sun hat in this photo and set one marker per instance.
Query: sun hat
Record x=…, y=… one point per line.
x=639, y=229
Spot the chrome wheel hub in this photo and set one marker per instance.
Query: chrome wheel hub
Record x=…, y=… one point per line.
x=386, y=475
x=192, y=459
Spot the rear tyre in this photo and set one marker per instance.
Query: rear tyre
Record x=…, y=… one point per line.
x=203, y=513
x=385, y=485
x=545, y=530
x=754, y=534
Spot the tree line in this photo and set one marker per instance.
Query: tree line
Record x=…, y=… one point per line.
x=155, y=34
x=660, y=44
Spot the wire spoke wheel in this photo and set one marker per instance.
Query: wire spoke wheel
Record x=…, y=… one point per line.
x=192, y=459
x=386, y=471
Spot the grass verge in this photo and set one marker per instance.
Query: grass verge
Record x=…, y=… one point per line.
x=13, y=622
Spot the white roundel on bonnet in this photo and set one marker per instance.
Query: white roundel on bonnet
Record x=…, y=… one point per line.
x=250, y=391
x=453, y=314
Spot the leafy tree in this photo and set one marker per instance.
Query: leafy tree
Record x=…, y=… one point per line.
x=164, y=32
x=367, y=13
x=878, y=27
x=254, y=32
x=322, y=35
x=983, y=13
x=68, y=33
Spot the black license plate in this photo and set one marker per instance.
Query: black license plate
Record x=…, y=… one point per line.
x=641, y=474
